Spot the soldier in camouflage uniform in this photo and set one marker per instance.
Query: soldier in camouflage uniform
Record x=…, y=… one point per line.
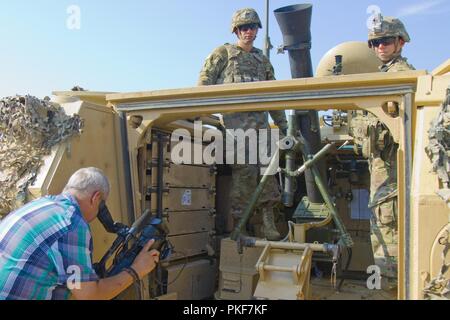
x=241, y=62
x=387, y=38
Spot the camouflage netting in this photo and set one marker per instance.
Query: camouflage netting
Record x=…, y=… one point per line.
x=29, y=128
x=439, y=148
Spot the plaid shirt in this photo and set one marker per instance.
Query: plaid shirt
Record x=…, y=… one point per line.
x=44, y=246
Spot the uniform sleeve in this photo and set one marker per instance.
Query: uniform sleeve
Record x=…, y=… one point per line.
x=73, y=256
x=214, y=65
x=401, y=65
x=270, y=72
x=279, y=118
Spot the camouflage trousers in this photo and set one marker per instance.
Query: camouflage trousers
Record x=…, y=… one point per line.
x=384, y=238
x=384, y=234
x=244, y=182
x=378, y=146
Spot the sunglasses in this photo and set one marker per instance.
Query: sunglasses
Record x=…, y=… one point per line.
x=246, y=27
x=384, y=41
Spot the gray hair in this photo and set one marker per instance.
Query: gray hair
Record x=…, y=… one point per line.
x=86, y=181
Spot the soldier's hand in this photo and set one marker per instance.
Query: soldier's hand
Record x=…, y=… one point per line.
x=146, y=260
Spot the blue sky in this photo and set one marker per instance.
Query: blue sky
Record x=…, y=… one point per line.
x=149, y=45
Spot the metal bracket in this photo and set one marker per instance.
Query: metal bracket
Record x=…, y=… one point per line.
x=297, y=46
x=151, y=190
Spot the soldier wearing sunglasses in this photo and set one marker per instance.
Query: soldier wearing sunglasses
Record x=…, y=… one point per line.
x=242, y=62
x=386, y=37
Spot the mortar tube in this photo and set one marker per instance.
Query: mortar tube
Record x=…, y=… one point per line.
x=255, y=196
x=310, y=130
x=295, y=25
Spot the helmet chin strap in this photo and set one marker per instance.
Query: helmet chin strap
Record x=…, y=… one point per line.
x=398, y=49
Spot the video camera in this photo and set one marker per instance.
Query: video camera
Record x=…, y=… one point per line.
x=131, y=240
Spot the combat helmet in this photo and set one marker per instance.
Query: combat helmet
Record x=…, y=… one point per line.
x=387, y=27
x=245, y=16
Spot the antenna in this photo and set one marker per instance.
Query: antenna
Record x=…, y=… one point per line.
x=267, y=44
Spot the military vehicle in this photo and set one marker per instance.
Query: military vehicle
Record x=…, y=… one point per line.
x=138, y=139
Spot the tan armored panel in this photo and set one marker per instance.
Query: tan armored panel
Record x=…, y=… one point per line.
x=194, y=280
x=421, y=216
x=188, y=199
x=238, y=274
x=357, y=57
x=98, y=146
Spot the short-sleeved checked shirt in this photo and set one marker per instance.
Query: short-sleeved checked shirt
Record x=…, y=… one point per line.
x=43, y=246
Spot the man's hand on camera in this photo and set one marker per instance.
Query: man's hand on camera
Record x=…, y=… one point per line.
x=146, y=260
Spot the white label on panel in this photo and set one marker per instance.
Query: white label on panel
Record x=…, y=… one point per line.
x=186, y=199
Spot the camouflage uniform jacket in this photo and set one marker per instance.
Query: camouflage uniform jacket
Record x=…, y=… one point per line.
x=386, y=188
x=229, y=63
x=378, y=145
x=397, y=64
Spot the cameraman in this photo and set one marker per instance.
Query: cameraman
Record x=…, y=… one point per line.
x=46, y=246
